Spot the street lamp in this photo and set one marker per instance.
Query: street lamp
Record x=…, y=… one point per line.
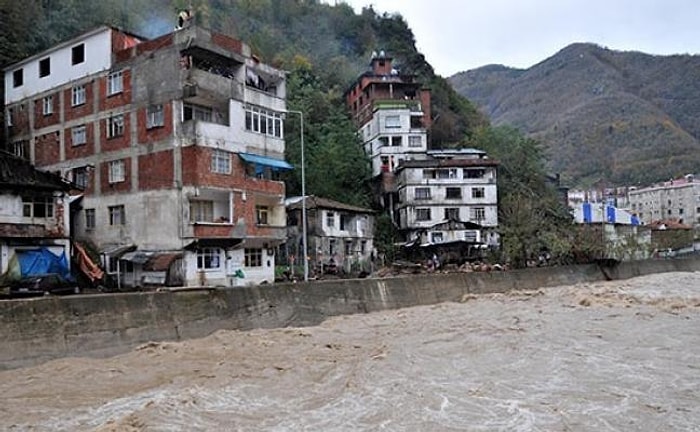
x=303, y=195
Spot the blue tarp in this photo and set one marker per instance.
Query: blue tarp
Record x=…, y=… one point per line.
x=260, y=161
x=42, y=261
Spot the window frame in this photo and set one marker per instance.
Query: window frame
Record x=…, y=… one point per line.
x=220, y=161
x=420, y=194
x=78, y=54
x=47, y=105
x=209, y=259
x=78, y=135
x=155, y=116
x=117, y=215
x=423, y=214
x=90, y=219
x=262, y=215
x=478, y=192
x=115, y=83
x=78, y=95
x=253, y=257
x=330, y=219
x=453, y=192
x=116, y=171
x=80, y=177
x=18, y=78
x=45, y=67
x=115, y=126
x=392, y=122
x=201, y=211
x=477, y=213
x=38, y=207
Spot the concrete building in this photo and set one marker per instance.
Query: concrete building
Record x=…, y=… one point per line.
x=677, y=199
x=339, y=236
x=420, y=188
x=177, y=142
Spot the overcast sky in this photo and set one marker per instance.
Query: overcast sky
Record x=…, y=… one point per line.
x=458, y=35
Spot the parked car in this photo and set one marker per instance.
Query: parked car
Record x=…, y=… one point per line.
x=52, y=283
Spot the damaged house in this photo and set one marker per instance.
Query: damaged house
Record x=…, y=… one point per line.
x=177, y=143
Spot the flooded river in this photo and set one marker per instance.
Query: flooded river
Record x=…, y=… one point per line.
x=609, y=356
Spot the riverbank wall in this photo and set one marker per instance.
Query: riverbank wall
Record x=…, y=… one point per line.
x=33, y=331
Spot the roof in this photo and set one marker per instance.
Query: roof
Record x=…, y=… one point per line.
x=313, y=202
x=669, y=224
x=18, y=173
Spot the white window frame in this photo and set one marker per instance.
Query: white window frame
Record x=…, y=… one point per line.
x=392, y=122
x=415, y=141
x=115, y=83
x=209, y=259
x=478, y=213
x=330, y=219
x=201, y=211
x=262, y=121
x=78, y=95
x=422, y=193
x=32, y=204
x=20, y=149
x=253, y=257
x=80, y=177
x=478, y=192
x=117, y=171
x=78, y=135
x=115, y=126
x=262, y=215
x=47, y=105
x=154, y=116
x=220, y=162
x=117, y=215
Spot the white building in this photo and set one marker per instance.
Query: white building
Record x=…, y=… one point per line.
x=677, y=199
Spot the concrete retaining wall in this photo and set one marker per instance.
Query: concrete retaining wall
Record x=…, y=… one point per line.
x=36, y=330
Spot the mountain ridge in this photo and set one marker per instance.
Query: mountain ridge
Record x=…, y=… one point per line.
x=602, y=116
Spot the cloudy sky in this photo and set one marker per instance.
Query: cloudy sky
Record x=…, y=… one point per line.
x=457, y=35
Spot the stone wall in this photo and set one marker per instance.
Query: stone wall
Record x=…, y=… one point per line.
x=37, y=330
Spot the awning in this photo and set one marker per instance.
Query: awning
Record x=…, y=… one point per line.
x=275, y=164
x=116, y=250
x=136, y=257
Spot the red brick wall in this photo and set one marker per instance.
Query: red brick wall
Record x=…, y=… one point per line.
x=81, y=150
x=41, y=120
x=122, y=41
x=47, y=149
x=74, y=112
x=118, y=99
x=226, y=42
x=154, y=44
x=157, y=133
x=118, y=142
x=156, y=171
x=425, y=104
x=20, y=119
x=109, y=188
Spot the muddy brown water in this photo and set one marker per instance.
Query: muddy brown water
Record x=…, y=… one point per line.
x=609, y=356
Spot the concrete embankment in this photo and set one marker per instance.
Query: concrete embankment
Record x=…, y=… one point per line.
x=41, y=329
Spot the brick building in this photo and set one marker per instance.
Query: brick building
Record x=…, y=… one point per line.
x=177, y=142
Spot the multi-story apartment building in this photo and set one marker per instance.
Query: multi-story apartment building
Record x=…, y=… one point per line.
x=177, y=142
x=677, y=200
x=420, y=188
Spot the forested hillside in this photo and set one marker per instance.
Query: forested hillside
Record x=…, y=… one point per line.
x=603, y=117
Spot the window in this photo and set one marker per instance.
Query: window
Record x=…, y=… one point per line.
x=261, y=215
x=348, y=247
x=117, y=215
x=78, y=95
x=330, y=219
x=453, y=193
x=78, y=135
x=201, y=211
x=472, y=173
x=116, y=171
x=447, y=173
x=115, y=126
x=47, y=105
x=78, y=54
x=422, y=193
x=383, y=141
x=253, y=257
x=80, y=177
x=37, y=206
x=21, y=149
x=428, y=174
x=436, y=237
x=415, y=141
x=363, y=247
x=331, y=247
x=209, y=259
x=392, y=121
x=452, y=213
x=478, y=214
x=478, y=192
x=154, y=116
x=115, y=83
x=396, y=141
x=221, y=162
x=262, y=121
x=197, y=112
x=423, y=214
x=18, y=78
x=45, y=67
x=90, y=219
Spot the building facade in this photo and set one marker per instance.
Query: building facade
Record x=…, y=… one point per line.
x=177, y=143
x=677, y=200
x=419, y=187
x=340, y=237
